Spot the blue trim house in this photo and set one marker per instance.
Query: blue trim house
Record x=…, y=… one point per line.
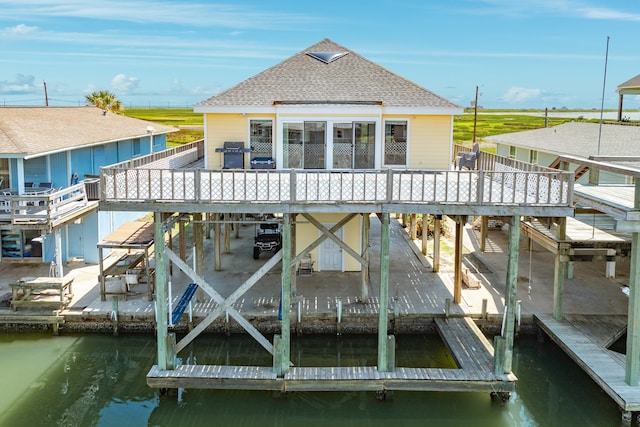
x=48, y=157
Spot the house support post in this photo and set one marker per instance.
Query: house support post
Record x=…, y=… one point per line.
x=364, y=289
x=632, y=367
x=504, y=349
x=58, y=237
x=182, y=240
x=198, y=241
x=436, y=243
x=413, y=227
x=283, y=347
x=227, y=233
x=425, y=233
x=457, y=269
x=560, y=268
x=162, y=315
x=216, y=243
x=484, y=228
x=293, y=278
x=383, y=315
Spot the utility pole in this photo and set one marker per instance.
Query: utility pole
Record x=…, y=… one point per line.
x=475, y=114
x=46, y=97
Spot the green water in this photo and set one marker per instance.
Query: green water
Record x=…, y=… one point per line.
x=99, y=380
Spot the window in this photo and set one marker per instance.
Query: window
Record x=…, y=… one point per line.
x=395, y=143
x=261, y=138
x=304, y=145
x=533, y=157
x=354, y=145
x=137, y=149
x=512, y=152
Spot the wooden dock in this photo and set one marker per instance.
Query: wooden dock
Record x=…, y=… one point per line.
x=585, y=340
x=470, y=349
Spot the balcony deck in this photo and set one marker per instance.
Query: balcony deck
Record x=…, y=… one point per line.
x=45, y=212
x=501, y=187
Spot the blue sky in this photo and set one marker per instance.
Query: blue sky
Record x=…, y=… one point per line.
x=522, y=54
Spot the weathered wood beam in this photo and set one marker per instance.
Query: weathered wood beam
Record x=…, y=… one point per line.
x=161, y=290
x=511, y=292
x=436, y=243
x=198, y=241
x=225, y=304
x=632, y=367
x=285, y=297
x=383, y=315
x=364, y=273
x=560, y=268
x=457, y=267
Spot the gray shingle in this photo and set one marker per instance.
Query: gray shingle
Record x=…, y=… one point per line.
x=307, y=79
x=578, y=139
x=34, y=130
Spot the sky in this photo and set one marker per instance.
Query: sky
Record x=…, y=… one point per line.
x=173, y=53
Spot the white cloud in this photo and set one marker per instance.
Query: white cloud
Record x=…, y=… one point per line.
x=518, y=95
x=19, y=29
x=23, y=84
x=124, y=85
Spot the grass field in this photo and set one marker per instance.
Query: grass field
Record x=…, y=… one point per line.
x=498, y=122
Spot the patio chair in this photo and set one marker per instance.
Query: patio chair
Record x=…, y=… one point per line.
x=28, y=184
x=45, y=185
x=469, y=160
x=6, y=201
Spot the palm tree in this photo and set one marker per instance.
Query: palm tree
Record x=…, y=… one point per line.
x=106, y=101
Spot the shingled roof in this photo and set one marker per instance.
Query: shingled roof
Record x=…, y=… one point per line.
x=28, y=131
x=630, y=86
x=313, y=79
x=577, y=139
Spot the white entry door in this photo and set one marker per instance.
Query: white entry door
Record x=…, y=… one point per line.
x=330, y=254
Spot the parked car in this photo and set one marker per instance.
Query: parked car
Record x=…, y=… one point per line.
x=268, y=238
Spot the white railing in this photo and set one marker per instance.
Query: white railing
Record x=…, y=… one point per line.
x=506, y=186
x=43, y=208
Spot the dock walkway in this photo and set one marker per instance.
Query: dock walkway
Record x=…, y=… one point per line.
x=469, y=348
x=604, y=366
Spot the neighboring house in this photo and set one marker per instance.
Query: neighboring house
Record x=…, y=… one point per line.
x=46, y=153
x=586, y=140
x=630, y=87
x=329, y=108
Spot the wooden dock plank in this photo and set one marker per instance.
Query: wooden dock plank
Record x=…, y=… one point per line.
x=597, y=362
x=359, y=378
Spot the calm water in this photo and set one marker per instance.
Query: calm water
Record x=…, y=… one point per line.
x=99, y=380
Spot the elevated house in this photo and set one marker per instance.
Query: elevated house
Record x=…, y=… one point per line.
x=319, y=143
x=328, y=108
x=50, y=158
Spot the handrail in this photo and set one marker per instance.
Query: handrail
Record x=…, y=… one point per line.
x=503, y=185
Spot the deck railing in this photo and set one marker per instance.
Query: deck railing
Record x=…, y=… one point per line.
x=503, y=185
x=44, y=208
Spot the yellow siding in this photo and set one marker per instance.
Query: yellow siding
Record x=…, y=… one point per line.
x=306, y=233
x=429, y=142
x=221, y=128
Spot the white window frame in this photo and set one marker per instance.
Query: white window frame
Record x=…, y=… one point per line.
x=383, y=142
x=329, y=120
x=273, y=133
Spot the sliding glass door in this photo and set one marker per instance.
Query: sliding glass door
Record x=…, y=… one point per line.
x=354, y=145
x=304, y=145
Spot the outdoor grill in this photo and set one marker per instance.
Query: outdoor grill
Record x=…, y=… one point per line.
x=233, y=154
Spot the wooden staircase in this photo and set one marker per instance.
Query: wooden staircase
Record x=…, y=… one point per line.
x=580, y=170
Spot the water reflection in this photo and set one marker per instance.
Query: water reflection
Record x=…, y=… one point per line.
x=100, y=381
